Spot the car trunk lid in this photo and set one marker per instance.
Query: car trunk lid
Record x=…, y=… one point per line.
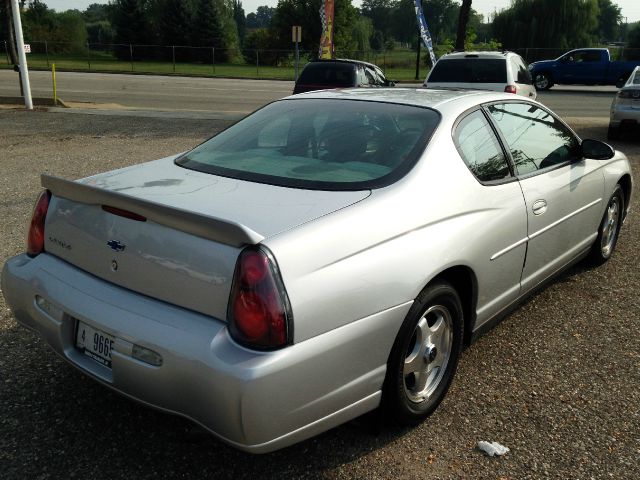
x=172, y=233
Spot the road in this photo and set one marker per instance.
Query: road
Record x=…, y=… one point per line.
x=229, y=98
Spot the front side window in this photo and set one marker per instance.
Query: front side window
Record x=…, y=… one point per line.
x=323, y=144
x=535, y=138
x=479, y=148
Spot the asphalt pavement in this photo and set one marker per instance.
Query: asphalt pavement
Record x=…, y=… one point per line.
x=230, y=99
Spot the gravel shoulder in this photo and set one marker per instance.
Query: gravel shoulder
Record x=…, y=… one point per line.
x=558, y=381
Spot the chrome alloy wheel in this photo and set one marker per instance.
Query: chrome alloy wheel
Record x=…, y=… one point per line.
x=610, y=227
x=428, y=353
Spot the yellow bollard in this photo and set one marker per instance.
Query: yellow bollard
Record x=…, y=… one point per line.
x=55, y=88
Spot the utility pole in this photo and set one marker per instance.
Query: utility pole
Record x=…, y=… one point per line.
x=24, y=70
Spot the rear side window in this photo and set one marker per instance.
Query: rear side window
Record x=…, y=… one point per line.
x=479, y=148
x=469, y=70
x=337, y=74
x=323, y=144
x=536, y=139
x=520, y=71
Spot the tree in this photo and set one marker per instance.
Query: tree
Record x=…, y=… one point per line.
x=175, y=22
x=261, y=18
x=362, y=31
x=633, y=43
x=380, y=13
x=207, y=24
x=463, y=20
x=344, y=17
x=6, y=30
x=609, y=19
x=560, y=24
x=238, y=16
x=131, y=23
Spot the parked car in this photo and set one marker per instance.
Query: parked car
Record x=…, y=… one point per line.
x=585, y=66
x=625, y=108
x=340, y=73
x=327, y=255
x=497, y=71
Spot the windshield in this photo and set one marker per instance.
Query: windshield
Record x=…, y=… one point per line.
x=325, y=144
x=469, y=70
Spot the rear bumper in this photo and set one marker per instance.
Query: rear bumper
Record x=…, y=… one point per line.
x=255, y=401
x=623, y=114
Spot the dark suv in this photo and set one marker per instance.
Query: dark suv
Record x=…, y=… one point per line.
x=323, y=74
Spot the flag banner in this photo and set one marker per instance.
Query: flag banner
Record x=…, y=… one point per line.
x=326, y=40
x=424, y=31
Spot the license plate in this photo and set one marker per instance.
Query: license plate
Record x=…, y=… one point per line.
x=94, y=343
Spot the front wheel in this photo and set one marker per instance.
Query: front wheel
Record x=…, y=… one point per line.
x=542, y=81
x=609, y=229
x=425, y=355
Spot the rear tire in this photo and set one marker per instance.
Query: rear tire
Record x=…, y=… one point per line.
x=609, y=229
x=613, y=132
x=542, y=81
x=425, y=355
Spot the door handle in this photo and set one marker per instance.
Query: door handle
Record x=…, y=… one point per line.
x=539, y=207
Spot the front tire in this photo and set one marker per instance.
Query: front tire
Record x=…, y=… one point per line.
x=425, y=355
x=542, y=81
x=609, y=229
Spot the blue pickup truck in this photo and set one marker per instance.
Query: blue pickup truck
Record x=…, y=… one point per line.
x=586, y=66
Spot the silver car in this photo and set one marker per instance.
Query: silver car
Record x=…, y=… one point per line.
x=625, y=108
x=330, y=254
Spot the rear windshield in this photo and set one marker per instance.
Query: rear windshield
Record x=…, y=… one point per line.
x=337, y=74
x=469, y=70
x=324, y=144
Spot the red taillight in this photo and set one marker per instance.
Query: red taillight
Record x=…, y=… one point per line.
x=35, y=237
x=510, y=89
x=259, y=314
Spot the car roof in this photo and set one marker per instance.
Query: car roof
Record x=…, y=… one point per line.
x=344, y=60
x=478, y=54
x=422, y=97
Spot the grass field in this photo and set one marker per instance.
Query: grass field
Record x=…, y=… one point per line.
x=399, y=65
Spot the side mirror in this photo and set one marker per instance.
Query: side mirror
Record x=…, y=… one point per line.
x=597, y=150
x=390, y=83
x=620, y=83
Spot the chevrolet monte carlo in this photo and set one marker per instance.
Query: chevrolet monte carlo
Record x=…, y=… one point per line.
x=327, y=255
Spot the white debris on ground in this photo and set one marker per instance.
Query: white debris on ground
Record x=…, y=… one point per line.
x=492, y=448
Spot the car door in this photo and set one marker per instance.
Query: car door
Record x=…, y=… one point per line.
x=581, y=66
x=563, y=192
x=503, y=249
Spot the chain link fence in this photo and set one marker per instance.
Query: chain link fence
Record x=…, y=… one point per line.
x=398, y=64
x=188, y=60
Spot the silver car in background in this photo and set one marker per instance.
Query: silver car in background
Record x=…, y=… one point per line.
x=330, y=254
x=625, y=108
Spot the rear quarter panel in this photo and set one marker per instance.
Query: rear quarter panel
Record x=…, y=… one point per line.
x=382, y=252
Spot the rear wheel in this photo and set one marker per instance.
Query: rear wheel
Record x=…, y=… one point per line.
x=425, y=355
x=542, y=81
x=607, y=239
x=613, y=132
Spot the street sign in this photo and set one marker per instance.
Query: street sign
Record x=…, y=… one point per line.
x=27, y=48
x=296, y=34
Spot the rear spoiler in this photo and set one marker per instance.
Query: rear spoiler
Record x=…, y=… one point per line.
x=211, y=228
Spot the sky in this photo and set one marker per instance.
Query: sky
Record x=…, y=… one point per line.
x=630, y=8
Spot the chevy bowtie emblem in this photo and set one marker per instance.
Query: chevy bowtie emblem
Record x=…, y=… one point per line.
x=116, y=246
